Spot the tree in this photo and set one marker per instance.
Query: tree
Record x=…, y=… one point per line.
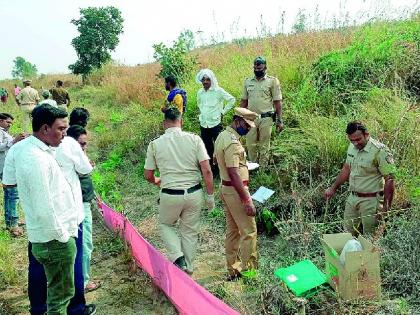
x=300, y=22
x=23, y=69
x=187, y=38
x=99, y=29
x=175, y=60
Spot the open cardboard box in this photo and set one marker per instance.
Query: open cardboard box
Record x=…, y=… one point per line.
x=360, y=276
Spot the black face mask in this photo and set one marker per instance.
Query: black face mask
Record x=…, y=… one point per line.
x=259, y=73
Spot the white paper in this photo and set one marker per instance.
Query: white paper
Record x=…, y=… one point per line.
x=262, y=194
x=252, y=166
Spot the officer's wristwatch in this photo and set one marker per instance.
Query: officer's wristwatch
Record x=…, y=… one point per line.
x=279, y=121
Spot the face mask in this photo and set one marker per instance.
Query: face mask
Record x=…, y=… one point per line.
x=259, y=73
x=242, y=131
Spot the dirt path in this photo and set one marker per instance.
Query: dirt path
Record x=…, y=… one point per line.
x=123, y=291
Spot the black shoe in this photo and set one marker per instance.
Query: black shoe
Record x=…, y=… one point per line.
x=90, y=309
x=180, y=263
x=234, y=277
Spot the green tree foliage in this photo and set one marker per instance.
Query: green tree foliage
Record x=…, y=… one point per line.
x=175, y=60
x=187, y=37
x=300, y=23
x=99, y=29
x=23, y=69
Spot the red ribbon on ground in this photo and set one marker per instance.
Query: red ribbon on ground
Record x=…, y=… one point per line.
x=186, y=295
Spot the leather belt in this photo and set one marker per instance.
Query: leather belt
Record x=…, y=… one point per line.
x=181, y=191
x=229, y=183
x=367, y=195
x=268, y=114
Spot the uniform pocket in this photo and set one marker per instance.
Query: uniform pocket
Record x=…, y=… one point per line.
x=367, y=168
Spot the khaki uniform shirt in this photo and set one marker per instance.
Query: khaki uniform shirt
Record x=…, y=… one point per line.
x=28, y=96
x=261, y=93
x=60, y=95
x=177, y=155
x=368, y=166
x=229, y=152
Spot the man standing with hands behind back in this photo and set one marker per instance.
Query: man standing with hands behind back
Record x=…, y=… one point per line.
x=262, y=95
x=181, y=159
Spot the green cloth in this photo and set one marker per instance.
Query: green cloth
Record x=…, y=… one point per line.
x=58, y=261
x=86, y=183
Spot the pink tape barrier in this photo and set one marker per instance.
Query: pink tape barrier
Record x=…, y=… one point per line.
x=187, y=295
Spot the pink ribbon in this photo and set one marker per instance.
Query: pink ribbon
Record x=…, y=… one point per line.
x=186, y=295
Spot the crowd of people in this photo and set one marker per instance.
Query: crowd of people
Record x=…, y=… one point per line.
x=48, y=171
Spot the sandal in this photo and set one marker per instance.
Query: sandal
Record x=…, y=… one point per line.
x=92, y=286
x=15, y=231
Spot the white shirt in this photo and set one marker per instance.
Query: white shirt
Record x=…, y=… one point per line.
x=47, y=200
x=49, y=102
x=6, y=141
x=73, y=160
x=210, y=103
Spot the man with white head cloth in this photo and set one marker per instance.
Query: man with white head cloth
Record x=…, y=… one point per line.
x=213, y=102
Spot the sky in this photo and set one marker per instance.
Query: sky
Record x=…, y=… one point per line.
x=40, y=31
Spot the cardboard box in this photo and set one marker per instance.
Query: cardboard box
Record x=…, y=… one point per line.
x=360, y=276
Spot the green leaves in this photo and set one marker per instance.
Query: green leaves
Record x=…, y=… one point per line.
x=23, y=69
x=99, y=29
x=175, y=60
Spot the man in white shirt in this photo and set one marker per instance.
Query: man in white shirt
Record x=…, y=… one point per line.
x=11, y=196
x=47, y=100
x=72, y=161
x=211, y=101
x=50, y=210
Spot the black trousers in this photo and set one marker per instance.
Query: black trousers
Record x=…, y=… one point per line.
x=209, y=136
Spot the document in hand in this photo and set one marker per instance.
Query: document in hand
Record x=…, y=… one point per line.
x=262, y=194
x=252, y=166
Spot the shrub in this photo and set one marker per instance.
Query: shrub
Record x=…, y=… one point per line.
x=382, y=55
x=400, y=263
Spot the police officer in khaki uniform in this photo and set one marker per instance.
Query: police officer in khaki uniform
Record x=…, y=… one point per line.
x=241, y=229
x=369, y=168
x=262, y=95
x=27, y=99
x=181, y=159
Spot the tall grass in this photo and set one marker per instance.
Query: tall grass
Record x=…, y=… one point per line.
x=327, y=78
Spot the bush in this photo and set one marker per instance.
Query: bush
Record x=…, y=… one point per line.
x=400, y=263
x=175, y=60
x=382, y=55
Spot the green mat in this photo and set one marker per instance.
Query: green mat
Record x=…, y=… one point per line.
x=302, y=278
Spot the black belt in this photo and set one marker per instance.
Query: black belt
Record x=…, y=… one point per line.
x=367, y=195
x=268, y=114
x=181, y=191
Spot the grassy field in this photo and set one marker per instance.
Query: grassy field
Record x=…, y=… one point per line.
x=327, y=78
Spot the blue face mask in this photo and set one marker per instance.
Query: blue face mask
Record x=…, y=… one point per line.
x=242, y=131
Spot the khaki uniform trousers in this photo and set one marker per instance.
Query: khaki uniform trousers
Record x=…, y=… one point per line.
x=26, y=119
x=258, y=140
x=241, y=234
x=184, y=209
x=362, y=211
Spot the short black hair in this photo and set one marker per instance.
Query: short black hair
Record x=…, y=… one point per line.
x=79, y=116
x=172, y=114
x=59, y=83
x=76, y=131
x=6, y=115
x=171, y=80
x=355, y=125
x=46, y=114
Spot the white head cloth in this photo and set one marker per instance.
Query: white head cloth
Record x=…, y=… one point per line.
x=209, y=74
